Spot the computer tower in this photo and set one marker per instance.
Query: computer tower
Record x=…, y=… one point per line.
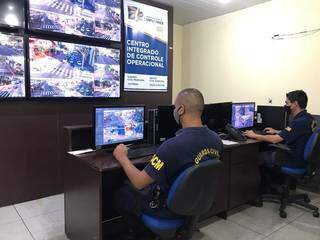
x=152, y=126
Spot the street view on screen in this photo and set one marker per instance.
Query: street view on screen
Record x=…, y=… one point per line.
x=60, y=69
x=116, y=125
x=12, y=79
x=90, y=18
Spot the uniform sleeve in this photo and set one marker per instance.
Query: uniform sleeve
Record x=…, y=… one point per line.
x=293, y=131
x=157, y=167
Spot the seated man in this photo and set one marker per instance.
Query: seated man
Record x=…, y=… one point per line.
x=295, y=136
x=193, y=144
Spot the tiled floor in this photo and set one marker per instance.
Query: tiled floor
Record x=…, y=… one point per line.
x=43, y=219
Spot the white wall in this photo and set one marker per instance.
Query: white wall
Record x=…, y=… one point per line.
x=233, y=57
x=177, y=60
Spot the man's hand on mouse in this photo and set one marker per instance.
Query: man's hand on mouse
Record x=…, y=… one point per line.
x=250, y=134
x=120, y=152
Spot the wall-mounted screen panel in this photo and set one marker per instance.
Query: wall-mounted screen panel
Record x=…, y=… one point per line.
x=12, y=74
x=90, y=18
x=61, y=69
x=12, y=13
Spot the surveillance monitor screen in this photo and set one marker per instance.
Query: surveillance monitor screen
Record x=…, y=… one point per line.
x=243, y=115
x=12, y=77
x=61, y=69
x=115, y=125
x=12, y=13
x=90, y=18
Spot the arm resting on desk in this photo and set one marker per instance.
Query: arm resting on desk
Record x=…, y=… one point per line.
x=266, y=138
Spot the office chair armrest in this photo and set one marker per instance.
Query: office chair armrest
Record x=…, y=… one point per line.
x=279, y=146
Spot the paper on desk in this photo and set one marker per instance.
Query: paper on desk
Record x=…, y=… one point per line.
x=227, y=142
x=78, y=152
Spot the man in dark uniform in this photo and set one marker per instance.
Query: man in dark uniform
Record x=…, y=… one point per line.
x=193, y=144
x=295, y=136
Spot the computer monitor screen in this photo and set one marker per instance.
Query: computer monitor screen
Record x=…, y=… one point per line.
x=114, y=125
x=12, y=75
x=90, y=18
x=272, y=116
x=61, y=69
x=243, y=115
x=216, y=116
x=166, y=125
x=12, y=13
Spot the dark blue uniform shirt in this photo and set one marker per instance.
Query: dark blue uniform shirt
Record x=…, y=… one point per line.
x=190, y=146
x=296, y=136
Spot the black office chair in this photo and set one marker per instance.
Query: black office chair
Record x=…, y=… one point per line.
x=191, y=195
x=291, y=175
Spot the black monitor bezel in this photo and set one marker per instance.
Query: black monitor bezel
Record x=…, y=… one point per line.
x=113, y=145
x=73, y=42
x=241, y=103
x=208, y=105
x=54, y=34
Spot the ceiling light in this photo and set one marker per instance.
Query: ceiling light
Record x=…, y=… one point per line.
x=11, y=20
x=10, y=7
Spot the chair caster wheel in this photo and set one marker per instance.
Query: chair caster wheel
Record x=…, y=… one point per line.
x=307, y=200
x=316, y=214
x=283, y=214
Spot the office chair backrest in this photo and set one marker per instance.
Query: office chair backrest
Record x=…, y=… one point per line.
x=192, y=193
x=312, y=153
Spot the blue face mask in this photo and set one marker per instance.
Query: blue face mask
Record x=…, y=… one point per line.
x=176, y=115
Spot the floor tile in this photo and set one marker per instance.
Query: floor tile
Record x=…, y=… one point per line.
x=224, y=229
x=40, y=206
x=14, y=231
x=8, y=215
x=305, y=227
x=48, y=226
x=266, y=219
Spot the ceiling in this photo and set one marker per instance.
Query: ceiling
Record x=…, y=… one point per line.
x=188, y=11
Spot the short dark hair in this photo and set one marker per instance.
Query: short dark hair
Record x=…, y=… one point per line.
x=192, y=99
x=300, y=96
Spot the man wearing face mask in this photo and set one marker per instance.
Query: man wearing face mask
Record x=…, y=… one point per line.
x=295, y=136
x=193, y=144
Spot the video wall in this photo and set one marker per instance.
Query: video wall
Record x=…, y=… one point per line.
x=72, y=48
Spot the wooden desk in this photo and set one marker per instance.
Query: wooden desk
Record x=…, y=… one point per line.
x=90, y=181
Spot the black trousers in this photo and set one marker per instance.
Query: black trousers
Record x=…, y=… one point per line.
x=270, y=169
x=129, y=203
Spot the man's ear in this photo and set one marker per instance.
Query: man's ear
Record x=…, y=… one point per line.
x=181, y=110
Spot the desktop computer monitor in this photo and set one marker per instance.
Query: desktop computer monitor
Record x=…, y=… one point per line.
x=115, y=125
x=243, y=115
x=166, y=126
x=272, y=116
x=217, y=115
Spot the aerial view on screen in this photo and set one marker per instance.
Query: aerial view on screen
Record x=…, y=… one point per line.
x=91, y=18
x=121, y=125
x=12, y=80
x=60, y=69
x=243, y=115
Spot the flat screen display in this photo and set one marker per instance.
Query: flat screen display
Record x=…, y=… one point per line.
x=12, y=75
x=243, y=115
x=114, y=125
x=90, y=18
x=12, y=13
x=217, y=115
x=61, y=69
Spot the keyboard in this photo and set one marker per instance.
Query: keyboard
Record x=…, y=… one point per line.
x=141, y=152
